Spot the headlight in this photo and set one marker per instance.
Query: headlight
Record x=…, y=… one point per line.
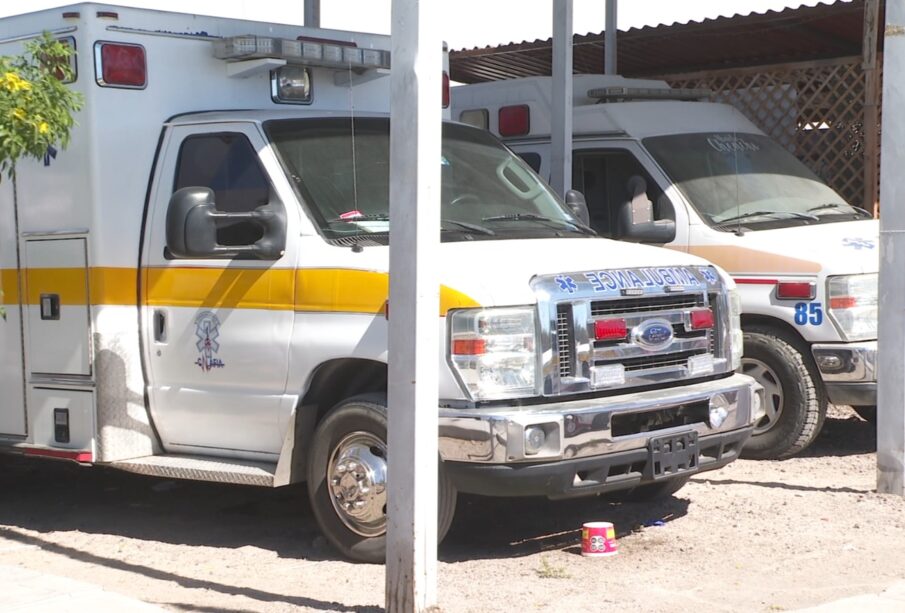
x=493, y=351
x=736, y=339
x=852, y=302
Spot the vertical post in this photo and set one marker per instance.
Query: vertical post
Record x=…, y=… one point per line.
x=891, y=371
x=871, y=105
x=561, y=121
x=414, y=305
x=313, y=13
x=609, y=40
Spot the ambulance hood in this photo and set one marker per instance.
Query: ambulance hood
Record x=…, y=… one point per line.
x=499, y=272
x=849, y=247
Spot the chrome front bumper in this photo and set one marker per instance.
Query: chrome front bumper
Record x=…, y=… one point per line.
x=849, y=371
x=584, y=428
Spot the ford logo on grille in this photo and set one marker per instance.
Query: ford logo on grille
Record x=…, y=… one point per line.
x=653, y=334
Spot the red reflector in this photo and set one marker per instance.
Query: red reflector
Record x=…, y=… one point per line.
x=445, y=91
x=795, y=289
x=78, y=456
x=123, y=65
x=610, y=329
x=515, y=120
x=843, y=302
x=473, y=346
x=701, y=319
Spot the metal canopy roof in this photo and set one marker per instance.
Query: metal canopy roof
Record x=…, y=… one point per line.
x=828, y=30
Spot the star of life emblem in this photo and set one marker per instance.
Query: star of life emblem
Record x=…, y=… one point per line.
x=207, y=329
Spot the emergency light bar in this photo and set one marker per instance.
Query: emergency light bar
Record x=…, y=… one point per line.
x=648, y=93
x=310, y=52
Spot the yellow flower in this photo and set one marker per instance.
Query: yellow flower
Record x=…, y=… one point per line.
x=18, y=114
x=14, y=82
x=43, y=127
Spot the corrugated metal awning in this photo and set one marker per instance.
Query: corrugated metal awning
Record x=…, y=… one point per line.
x=791, y=35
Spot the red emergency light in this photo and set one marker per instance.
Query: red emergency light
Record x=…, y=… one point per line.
x=701, y=319
x=610, y=329
x=514, y=120
x=120, y=65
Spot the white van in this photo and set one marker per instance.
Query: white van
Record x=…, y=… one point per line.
x=197, y=288
x=805, y=261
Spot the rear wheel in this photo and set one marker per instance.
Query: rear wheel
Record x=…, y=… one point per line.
x=795, y=401
x=347, y=469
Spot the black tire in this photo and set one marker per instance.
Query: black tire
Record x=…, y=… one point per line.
x=796, y=401
x=366, y=415
x=653, y=491
x=867, y=413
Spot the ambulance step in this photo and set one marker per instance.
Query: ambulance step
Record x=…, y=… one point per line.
x=202, y=468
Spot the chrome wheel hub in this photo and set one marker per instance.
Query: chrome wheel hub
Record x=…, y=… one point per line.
x=357, y=475
x=773, y=395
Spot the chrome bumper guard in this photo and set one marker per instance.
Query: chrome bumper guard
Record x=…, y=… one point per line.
x=847, y=363
x=585, y=428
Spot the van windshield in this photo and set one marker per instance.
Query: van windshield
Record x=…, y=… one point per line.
x=747, y=179
x=343, y=177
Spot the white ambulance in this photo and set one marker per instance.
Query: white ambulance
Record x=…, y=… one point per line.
x=197, y=288
x=805, y=261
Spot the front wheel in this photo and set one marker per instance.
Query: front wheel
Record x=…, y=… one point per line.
x=795, y=401
x=347, y=470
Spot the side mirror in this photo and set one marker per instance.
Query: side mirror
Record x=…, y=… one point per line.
x=635, y=217
x=192, y=221
x=578, y=206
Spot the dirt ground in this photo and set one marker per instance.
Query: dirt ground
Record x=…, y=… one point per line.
x=754, y=536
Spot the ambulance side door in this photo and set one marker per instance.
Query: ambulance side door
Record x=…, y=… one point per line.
x=602, y=171
x=217, y=328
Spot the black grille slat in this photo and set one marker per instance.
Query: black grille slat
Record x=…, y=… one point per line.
x=646, y=304
x=564, y=340
x=654, y=361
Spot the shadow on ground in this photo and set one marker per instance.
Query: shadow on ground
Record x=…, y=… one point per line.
x=51, y=496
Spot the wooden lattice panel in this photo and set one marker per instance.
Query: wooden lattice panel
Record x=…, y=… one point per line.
x=815, y=110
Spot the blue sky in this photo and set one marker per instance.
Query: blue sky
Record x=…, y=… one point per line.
x=467, y=23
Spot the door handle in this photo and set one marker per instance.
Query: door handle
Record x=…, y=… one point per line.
x=160, y=326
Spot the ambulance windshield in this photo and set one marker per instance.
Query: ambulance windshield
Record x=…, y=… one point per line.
x=343, y=177
x=733, y=178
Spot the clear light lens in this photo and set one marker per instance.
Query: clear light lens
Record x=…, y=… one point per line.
x=535, y=437
x=719, y=410
x=852, y=305
x=291, y=84
x=736, y=338
x=507, y=366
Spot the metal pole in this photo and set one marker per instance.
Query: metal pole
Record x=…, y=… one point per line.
x=609, y=41
x=313, y=13
x=414, y=306
x=561, y=122
x=871, y=104
x=891, y=371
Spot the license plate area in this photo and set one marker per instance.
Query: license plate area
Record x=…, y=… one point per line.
x=672, y=455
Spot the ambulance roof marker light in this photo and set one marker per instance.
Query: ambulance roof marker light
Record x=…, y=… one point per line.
x=311, y=52
x=648, y=93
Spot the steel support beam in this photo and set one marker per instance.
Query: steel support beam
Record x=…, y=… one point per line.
x=609, y=41
x=313, y=13
x=561, y=121
x=891, y=372
x=414, y=306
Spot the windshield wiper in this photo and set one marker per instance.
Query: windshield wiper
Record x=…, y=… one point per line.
x=467, y=226
x=832, y=205
x=385, y=217
x=535, y=217
x=748, y=215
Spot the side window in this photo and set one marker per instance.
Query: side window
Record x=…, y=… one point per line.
x=532, y=159
x=228, y=164
x=609, y=179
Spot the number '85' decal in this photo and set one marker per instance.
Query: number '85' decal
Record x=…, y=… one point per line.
x=808, y=313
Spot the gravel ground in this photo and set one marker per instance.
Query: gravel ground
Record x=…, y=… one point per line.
x=754, y=536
